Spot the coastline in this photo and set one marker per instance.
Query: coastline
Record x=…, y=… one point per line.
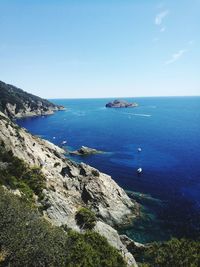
x=29, y=114
x=162, y=162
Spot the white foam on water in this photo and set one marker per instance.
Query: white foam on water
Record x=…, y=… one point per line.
x=102, y=108
x=142, y=115
x=137, y=114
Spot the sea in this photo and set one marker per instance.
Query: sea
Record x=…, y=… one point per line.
x=167, y=129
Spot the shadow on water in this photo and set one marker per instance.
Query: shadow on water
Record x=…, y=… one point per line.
x=147, y=227
x=181, y=217
x=161, y=220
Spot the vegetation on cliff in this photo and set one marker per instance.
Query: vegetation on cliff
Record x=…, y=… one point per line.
x=175, y=252
x=28, y=240
x=16, y=174
x=86, y=219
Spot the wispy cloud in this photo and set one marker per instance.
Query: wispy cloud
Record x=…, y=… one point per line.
x=160, y=16
x=176, y=56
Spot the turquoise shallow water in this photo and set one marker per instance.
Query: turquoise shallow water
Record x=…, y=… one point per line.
x=167, y=130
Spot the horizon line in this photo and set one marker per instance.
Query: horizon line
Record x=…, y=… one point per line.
x=121, y=97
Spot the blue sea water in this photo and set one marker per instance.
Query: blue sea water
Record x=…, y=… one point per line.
x=168, y=131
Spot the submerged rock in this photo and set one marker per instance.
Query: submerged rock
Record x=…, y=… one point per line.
x=120, y=104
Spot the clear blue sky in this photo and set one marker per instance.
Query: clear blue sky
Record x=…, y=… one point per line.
x=101, y=48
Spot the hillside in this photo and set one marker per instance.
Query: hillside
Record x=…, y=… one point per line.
x=15, y=102
x=29, y=240
x=40, y=173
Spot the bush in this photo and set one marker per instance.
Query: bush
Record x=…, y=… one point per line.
x=18, y=175
x=85, y=218
x=178, y=253
x=92, y=250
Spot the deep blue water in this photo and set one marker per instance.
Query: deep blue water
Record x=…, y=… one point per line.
x=168, y=131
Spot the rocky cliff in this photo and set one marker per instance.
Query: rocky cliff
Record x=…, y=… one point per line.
x=70, y=186
x=15, y=102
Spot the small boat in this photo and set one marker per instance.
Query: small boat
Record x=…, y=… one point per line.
x=139, y=170
x=64, y=142
x=139, y=149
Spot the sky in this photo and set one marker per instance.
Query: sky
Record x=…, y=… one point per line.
x=102, y=48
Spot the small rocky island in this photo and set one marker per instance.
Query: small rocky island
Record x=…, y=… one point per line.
x=120, y=104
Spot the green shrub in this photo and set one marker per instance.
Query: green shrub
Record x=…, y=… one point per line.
x=92, y=250
x=177, y=253
x=86, y=218
x=18, y=175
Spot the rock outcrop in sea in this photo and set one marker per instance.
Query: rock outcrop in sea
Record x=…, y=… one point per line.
x=121, y=104
x=85, y=151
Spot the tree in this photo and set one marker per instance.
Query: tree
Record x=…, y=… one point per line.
x=85, y=218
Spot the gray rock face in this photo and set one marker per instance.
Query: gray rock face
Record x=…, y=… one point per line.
x=69, y=185
x=130, y=244
x=115, y=240
x=120, y=104
x=27, y=111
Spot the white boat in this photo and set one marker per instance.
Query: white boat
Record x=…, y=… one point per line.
x=64, y=142
x=139, y=170
x=139, y=149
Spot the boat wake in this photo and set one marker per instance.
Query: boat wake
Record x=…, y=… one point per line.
x=142, y=115
x=137, y=114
